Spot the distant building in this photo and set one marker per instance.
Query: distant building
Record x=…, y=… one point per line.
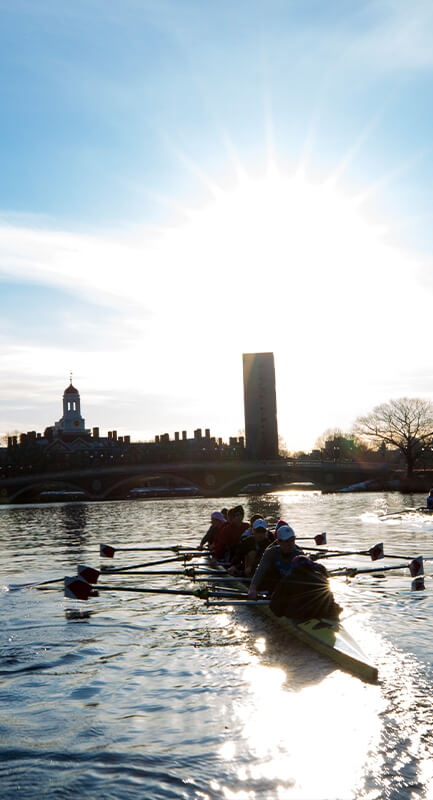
x=260, y=405
x=68, y=443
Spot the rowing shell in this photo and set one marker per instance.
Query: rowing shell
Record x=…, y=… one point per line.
x=421, y=510
x=328, y=637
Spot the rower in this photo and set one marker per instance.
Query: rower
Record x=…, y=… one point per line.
x=251, y=547
x=217, y=520
x=229, y=535
x=429, y=501
x=238, y=555
x=261, y=539
x=276, y=561
x=305, y=593
x=249, y=531
x=278, y=525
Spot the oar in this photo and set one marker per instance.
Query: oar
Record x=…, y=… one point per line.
x=223, y=578
x=207, y=575
x=374, y=552
x=415, y=567
x=108, y=551
x=183, y=557
x=88, y=573
x=14, y=587
x=144, y=573
x=319, y=539
x=79, y=589
x=185, y=573
x=238, y=603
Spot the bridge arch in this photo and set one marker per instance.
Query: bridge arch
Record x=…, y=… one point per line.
x=55, y=486
x=166, y=476
x=247, y=477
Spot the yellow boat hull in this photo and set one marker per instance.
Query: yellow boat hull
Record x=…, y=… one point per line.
x=328, y=637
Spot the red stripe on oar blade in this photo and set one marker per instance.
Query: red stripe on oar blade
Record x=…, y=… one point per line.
x=320, y=538
x=106, y=550
x=376, y=552
x=416, y=567
x=88, y=574
x=77, y=588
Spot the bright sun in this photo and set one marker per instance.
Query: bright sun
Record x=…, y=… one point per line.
x=278, y=236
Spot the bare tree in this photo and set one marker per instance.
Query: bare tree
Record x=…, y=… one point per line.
x=5, y=436
x=282, y=447
x=406, y=423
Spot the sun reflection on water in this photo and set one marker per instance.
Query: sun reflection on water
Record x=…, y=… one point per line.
x=309, y=743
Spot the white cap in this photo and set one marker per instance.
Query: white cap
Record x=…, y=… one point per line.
x=259, y=523
x=285, y=532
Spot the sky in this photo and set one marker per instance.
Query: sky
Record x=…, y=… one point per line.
x=186, y=181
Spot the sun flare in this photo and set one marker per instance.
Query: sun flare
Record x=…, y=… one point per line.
x=280, y=233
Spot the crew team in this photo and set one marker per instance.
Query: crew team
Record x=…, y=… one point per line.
x=272, y=563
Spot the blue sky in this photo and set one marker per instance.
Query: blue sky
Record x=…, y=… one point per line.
x=182, y=182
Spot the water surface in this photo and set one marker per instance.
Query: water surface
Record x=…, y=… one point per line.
x=151, y=696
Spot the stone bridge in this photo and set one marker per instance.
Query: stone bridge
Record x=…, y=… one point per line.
x=211, y=479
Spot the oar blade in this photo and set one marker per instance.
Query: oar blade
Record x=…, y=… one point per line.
x=416, y=567
x=320, y=538
x=418, y=584
x=106, y=550
x=89, y=574
x=376, y=552
x=76, y=588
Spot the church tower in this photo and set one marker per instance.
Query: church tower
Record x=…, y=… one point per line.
x=72, y=423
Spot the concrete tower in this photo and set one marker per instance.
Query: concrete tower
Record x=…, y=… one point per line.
x=260, y=405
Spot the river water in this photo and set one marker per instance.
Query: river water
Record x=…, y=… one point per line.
x=159, y=697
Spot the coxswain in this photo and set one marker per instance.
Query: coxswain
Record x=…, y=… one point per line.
x=217, y=520
x=276, y=561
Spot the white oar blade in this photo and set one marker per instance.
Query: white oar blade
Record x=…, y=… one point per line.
x=77, y=589
x=106, y=550
x=88, y=574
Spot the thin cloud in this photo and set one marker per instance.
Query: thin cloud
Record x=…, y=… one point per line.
x=398, y=38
